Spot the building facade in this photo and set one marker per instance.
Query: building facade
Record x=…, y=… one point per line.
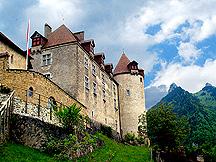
x=113, y=99
x=17, y=57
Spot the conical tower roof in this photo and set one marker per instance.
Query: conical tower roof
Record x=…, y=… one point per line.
x=60, y=36
x=122, y=65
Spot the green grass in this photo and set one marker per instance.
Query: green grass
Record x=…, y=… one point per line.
x=16, y=152
x=120, y=151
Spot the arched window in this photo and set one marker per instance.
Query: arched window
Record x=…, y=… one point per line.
x=30, y=92
x=51, y=101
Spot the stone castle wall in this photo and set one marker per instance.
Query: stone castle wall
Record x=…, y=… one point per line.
x=18, y=62
x=35, y=133
x=43, y=88
x=68, y=70
x=131, y=89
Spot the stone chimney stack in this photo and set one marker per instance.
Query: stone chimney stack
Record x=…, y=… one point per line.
x=47, y=30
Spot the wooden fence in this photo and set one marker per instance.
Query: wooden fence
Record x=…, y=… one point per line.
x=5, y=116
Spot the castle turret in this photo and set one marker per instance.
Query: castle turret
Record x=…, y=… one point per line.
x=131, y=93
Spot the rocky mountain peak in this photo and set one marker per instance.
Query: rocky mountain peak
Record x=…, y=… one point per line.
x=208, y=84
x=172, y=87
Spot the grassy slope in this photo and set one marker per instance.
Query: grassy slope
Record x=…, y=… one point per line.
x=121, y=152
x=17, y=152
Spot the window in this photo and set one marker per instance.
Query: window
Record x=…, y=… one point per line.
x=46, y=59
x=94, y=89
x=92, y=114
x=86, y=62
x=86, y=82
x=116, y=121
x=11, y=59
x=128, y=92
x=105, y=120
x=48, y=75
x=93, y=70
x=51, y=101
x=115, y=104
x=30, y=92
x=104, y=95
x=103, y=80
x=114, y=89
x=140, y=79
x=36, y=41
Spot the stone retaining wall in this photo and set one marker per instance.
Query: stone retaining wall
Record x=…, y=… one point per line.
x=35, y=133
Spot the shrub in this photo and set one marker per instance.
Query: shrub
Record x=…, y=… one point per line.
x=129, y=137
x=107, y=131
x=70, y=117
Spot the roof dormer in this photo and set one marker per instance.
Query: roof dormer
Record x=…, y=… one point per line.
x=37, y=42
x=38, y=39
x=99, y=58
x=133, y=67
x=88, y=45
x=108, y=68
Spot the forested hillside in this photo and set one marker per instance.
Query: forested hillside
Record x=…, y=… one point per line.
x=199, y=110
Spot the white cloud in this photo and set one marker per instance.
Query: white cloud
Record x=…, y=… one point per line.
x=188, y=51
x=191, y=78
x=171, y=14
x=53, y=12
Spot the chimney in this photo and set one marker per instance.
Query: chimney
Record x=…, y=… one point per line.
x=80, y=35
x=47, y=30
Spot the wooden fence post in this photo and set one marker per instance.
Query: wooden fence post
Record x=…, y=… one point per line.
x=26, y=105
x=39, y=105
x=51, y=109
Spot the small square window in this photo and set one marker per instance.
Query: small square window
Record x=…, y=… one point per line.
x=141, y=80
x=93, y=70
x=46, y=59
x=86, y=82
x=94, y=89
x=115, y=104
x=44, y=62
x=92, y=114
x=48, y=75
x=128, y=92
x=104, y=95
x=86, y=62
x=114, y=89
x=103, y=80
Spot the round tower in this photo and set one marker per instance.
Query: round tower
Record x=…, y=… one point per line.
x=131, y=94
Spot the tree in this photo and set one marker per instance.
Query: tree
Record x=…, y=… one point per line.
x=166, y=130
x=70, y=117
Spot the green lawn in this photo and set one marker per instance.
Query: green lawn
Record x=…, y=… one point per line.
x=16, y=152
x=120, y=151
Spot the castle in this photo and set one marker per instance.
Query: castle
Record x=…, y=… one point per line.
x=113, y=98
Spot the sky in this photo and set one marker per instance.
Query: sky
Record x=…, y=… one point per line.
x=172, y=40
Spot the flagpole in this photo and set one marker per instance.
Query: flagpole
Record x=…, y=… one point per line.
x=28, y=52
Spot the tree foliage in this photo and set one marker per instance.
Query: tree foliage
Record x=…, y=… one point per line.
x=166, y=130
x=70, y=117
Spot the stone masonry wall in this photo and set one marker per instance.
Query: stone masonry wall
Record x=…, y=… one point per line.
x=68, y=70
x=19, y=61
x=35, y=133
x=131, y=89
x=22, y=80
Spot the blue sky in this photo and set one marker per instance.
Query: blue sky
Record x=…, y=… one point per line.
x=172, y=40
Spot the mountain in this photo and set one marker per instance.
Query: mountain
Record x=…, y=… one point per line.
x=201, y=117
x=207, y=96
